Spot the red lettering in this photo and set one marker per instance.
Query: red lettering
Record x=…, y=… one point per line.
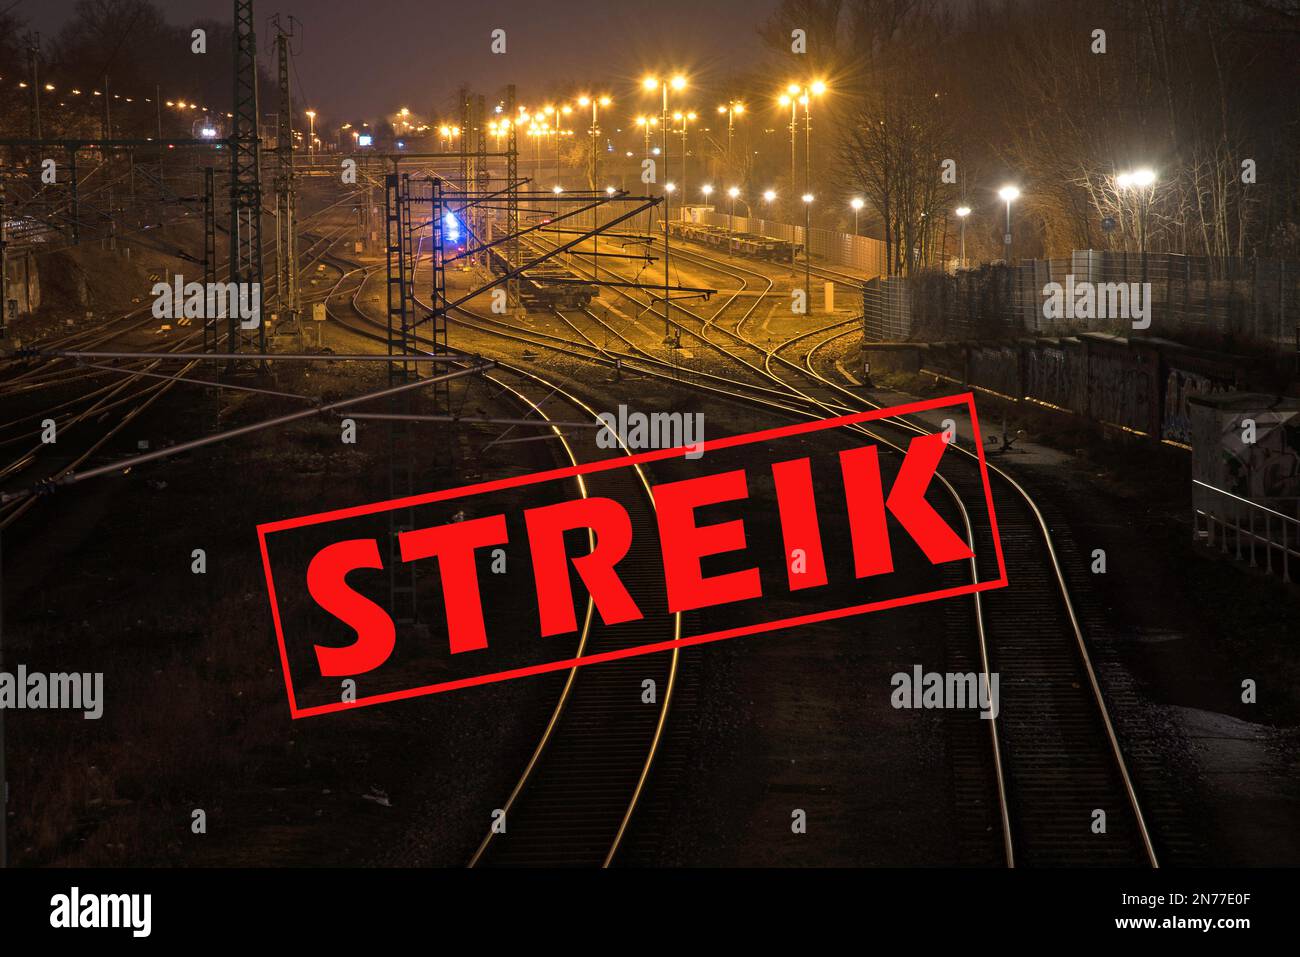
x=906, y=502
x=613, y=530
x=684, y=543
x=326, y=581
x=799, y=529
x=866, y=504
x=454, y=545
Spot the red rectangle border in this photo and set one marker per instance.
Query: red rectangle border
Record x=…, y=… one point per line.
x=657, y=455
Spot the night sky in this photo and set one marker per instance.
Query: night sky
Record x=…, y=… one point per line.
x=415, y=52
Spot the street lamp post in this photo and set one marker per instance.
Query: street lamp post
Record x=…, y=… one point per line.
x=733, y=192
x=769, y=197
x=595, y=238
x=594, y=102
x=962, y=213
x=732, y=109
x=807, y=254
x=311, y=133
x=647, y=123
x=795, y=96
x=789, y=99
x=857, y=203
x=1008, y=194
x=563, y=110
x=677, y=83
x=684, y=118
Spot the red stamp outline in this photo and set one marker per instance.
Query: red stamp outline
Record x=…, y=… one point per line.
x=657, y=455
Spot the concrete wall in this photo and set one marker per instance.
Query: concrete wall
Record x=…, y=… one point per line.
x=1141, y=387
x=1266, y=470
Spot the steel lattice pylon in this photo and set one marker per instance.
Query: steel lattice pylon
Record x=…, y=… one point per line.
x=512, y=196
x=401, y=342
x=286, y=242
x=210, y=331
x=412, y=329
x=245, y=176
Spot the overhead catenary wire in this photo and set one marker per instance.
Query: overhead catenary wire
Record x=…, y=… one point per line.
x=70, y=478
x=188, y=356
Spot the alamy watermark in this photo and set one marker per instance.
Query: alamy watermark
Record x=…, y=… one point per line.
x=1104, y=300
x=76, y=910
x=656, y=430
x=213, y=300
x=23, y=690
x=951, y=689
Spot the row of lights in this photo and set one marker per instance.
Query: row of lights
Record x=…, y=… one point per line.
x=178, y=104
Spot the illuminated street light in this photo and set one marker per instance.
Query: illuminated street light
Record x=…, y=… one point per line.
x=769, y=196
x=795, y=96
x=707, y=190
x=962, y=213
x=595, y=103
x=1143, y=181
x=1008, y=194
x=857, y=203
x=650, y=83
x=311, y=133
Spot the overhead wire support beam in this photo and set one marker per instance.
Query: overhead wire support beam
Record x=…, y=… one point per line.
x=517, y=270
x=649, y=202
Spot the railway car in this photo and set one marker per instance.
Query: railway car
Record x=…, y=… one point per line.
x=738, y=243
x=548, y=285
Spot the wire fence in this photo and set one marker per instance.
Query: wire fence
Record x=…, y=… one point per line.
x=1245, y=300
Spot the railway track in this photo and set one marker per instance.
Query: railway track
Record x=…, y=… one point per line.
x=1056, y=758
x=578, y=791
x=1062, y=761
x=137, y=389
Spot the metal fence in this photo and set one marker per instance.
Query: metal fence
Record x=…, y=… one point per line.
x=1161, y=294
x=1254, y=532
